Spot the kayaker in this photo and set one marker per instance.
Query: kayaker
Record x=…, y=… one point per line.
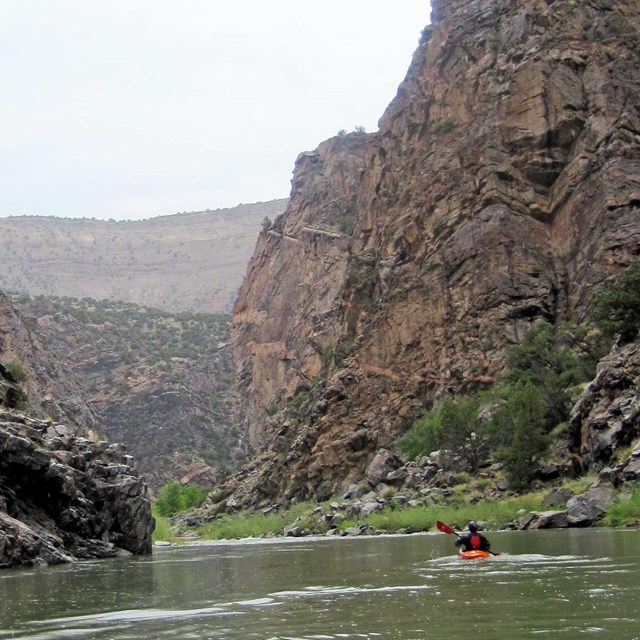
x=473, y=540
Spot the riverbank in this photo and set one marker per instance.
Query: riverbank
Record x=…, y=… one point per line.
x=383, y=513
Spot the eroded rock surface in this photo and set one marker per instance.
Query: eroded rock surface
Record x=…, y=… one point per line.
x=502, y=186
x=63, y=497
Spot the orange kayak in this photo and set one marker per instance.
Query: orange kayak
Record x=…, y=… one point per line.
x=474, y=554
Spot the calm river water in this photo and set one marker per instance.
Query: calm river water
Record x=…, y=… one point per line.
x=547, y=584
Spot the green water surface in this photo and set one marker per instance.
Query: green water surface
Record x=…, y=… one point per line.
x=546, y=584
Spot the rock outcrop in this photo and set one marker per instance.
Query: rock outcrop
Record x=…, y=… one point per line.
x=63, y=497
x=606, y=418
x=503, y=186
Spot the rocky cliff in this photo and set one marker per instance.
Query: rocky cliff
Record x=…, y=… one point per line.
x=63, y=497
x=47, y=389
x=65, y=493
x=161, y=383
x=184, y=262
x=503, y=185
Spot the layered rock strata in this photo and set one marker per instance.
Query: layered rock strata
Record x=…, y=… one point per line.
x=503, y=186
x=64, y=498
x=185, y=262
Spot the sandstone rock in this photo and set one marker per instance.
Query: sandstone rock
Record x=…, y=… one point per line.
x=218, y=244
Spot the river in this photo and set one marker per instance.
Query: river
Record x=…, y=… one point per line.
x=561, y=584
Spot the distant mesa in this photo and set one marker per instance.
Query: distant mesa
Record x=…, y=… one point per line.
x=183, y=262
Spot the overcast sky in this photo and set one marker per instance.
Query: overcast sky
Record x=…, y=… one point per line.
x=129, y=109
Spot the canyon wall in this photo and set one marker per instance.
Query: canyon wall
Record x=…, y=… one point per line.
x=503, y=185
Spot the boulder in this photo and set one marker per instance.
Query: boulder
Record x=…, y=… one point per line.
x=632, y=470
x=549, y=472
x=384, y=463
x=354, y=491
x=558, y=496
x=544, y=520
x=587, y=508
x=369, y=508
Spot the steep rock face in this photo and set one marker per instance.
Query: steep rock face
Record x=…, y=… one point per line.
x=162, y=384
x=287, y=314
x=502, y=186
x=49, y=389
x=63, y=497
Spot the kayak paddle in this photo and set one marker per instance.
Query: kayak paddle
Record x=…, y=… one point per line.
x=445, y=528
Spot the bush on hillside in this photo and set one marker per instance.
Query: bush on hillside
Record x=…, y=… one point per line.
x=520, y=425
x=616, y=310
x=174, y=498
x=548, y=359
x=453, y=426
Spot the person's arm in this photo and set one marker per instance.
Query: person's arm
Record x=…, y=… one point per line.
x=460, y=541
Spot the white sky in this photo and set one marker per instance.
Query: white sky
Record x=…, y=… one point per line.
x=129, y=109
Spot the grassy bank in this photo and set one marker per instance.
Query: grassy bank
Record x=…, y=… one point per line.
x=625, y=512
x=309, y=518
x=163, y=530
x=496, y=512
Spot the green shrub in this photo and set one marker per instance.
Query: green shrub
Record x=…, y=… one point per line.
x=296, y=405
x=174, y=498
x=16, y=371
x=347, y=224
x=616, y=310
x=162, y=530
x=454, y=426
x=520, y=423
x=624, y=512
x=423, y=437
x=445, y=125
x=547, y=359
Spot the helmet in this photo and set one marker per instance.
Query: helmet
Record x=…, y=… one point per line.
x=473, y=526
